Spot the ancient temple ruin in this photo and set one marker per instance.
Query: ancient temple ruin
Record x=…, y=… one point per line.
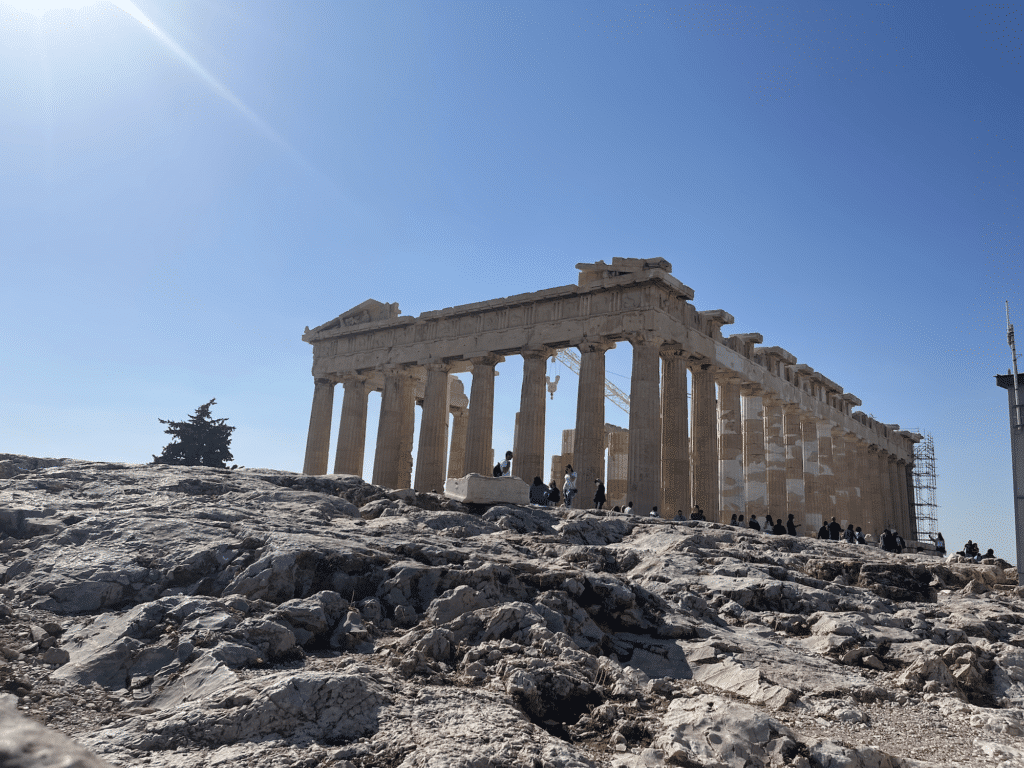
x=765, y=434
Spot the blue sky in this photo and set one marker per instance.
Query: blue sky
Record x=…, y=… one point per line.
x=185, y=186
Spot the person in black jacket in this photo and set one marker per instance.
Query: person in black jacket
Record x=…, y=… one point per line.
x=599, y=497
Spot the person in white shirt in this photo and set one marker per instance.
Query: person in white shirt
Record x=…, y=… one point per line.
x=569, y=487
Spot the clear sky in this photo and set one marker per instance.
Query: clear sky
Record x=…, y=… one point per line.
x=185, y=186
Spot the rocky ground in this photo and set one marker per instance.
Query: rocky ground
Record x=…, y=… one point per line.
x=187, y=617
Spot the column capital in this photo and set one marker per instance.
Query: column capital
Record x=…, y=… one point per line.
x=538, y=351
x=323, y=381
x=838, y=431
x=674, y=349
x=438, y=365
x=792, y=409
x=599, y=345
x=352, y=378
x=727, y=376
x=751, y=389
x=644, y=337
x=489, y=360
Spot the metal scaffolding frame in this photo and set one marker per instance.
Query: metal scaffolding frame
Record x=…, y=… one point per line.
x=925, y=507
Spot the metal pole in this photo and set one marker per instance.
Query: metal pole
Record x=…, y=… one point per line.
x=1016, y=448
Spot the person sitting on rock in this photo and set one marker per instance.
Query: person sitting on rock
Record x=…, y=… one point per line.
x=791, y=525
x=733, y=520
x=779, y=529
x=849, y=536
x=887, y=541
x=753, y=523
x=769, y=524
x=898, y=543
x=989, y=554
x=940, y=545
x=538, y=492
x=554, y=495
x=629, y=508
x=859, y=535
x=506, y=465
x=823, y=531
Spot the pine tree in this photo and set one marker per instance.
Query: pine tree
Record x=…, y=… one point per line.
x=201, y=441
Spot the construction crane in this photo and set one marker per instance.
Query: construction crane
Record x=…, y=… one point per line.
x=613, y=393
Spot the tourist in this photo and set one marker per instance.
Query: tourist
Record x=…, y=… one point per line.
x=834, y=530
x=849, y=536
x=898, y=542
x=940, y=545
x=989, y=554
x=654, y=512
x=506, y=465
x=859, y=535
x=740, y=522
x=569, y=486
x=887, y=541
x=733, y=520
x=700, y=514
x=791, y=525
x=823, y=531
x=538, y=492
x=753, y=524
x=679, y=515
x=779, y=529
x=554, y=496
x=629, y=508
x=599, y=495
x=769, y=525
x=616, y=508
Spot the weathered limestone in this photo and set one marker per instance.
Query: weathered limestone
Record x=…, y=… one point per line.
x=477, y=489
x=675, y=432
x=348, y=458
x=529, y=447
x=644, y=474
x=704, y=453
x=479, y=451
x=588, y=443
x=318, y=443
x=781, y=439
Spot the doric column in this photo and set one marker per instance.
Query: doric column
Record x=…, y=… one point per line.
x=841, y=470
x=643, y=485
x=430, y=454
x=675, y=432
x=481, y=416
x=704, y=450
x=827, y=473
x=794, y=465
x=457, y=451
x=529, y=444
x=859, y=488
x=588, y=440
x=885, y=518
x=906, y=523
x=873, y=513
x=348, y=458
x=392, y=459
x=894, y=497
x=755, y=470
x=775, y=456
x=318, y=439
x=813, y=511
x=730, y=447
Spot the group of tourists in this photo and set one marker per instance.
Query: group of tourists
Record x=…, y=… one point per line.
x=552, y=496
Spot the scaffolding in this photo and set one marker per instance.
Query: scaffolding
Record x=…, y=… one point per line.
x=925, y=508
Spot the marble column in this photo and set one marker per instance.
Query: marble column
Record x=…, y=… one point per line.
x=755, y=469
x=528, y=461
x=775, y=457
x=430, y=454
x=318, y=439
x=348, y=458
x=643, y=485
x=884, y=489
x=480, y=428
x=894, y=497
x=906, y=522
x=827, y=472
x=795, y=492
x=392, y=459
x=618, y=467
x=457, y=451
x=873, y=514
x=704, y=450
x=675, y=432
x=588, y=439
x=730, y=447
x=859, y=487
x=814, y=513
x=841, y=481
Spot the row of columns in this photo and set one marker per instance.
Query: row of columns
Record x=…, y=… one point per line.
x=746, y=452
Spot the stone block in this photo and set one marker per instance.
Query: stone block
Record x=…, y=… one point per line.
x=477, y=489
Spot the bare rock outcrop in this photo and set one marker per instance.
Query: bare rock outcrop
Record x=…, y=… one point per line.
x=168, y=616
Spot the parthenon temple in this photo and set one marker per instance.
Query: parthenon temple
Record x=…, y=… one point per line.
x=764, y=434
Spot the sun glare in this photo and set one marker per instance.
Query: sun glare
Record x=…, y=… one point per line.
x=41, y=7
